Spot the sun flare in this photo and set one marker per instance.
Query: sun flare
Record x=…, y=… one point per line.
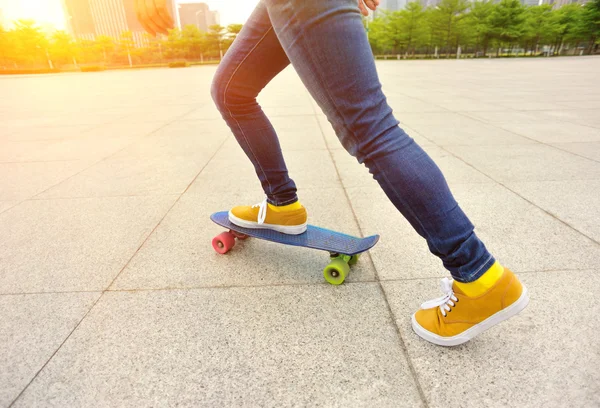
x=42, y=11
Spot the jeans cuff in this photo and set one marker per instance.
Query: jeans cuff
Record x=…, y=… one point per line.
x=280, y=203
x=466, y=277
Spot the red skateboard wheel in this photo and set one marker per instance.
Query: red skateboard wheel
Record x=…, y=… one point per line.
x=223, y=242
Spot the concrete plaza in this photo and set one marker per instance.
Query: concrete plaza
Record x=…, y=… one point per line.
x=111, y=294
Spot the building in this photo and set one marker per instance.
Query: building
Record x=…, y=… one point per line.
x=530, y=2
x=88, y=19
x=559, y=3
x=393, y=5
x=431, y=3
x=214, y=18
x=197, y=14
x=389, y=5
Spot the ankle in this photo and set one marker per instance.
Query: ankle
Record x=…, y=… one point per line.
x=484, y=282
x=288, y=207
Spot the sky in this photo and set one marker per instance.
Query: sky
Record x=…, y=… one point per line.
x=51, y=12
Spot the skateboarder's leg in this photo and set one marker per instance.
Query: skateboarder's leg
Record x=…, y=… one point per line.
x=252, y=61
x=254, y=58
x=327, y=45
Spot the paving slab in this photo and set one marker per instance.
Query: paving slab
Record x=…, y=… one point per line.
x=32, y=328
x=525, y=105
x=589, y=104
x=82, y=148
x=23, y=151
x=291, y=112
x=73, y=244
x=469, y=132
x=127, y=176
x=542, y=357
x=554, y=132
x=590, y=150
x=5, y=205
x=402, y=103
x=582, y=116
x=575, y=202
x=298, y=133
x=158, y=113
x=124, y=130
x=465, y=104
x=21, y=181
x=231, y=170
x=179, y=253
x=206, y=111
x=447, y=118
x=191, y=139
x=509, y=163
x=275, y=346
x=510, y=117
x=89, y=147
x=49, y=132
x=516, y=232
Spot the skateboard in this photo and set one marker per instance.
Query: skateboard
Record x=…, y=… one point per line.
x=344, y=250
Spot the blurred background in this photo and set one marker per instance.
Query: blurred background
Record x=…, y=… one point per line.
x=68, y=35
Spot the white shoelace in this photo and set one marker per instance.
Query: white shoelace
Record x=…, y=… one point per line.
x=262, y=211
x=444, y=302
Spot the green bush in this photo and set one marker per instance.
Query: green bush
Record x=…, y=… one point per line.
x=178, y=64
x=92, y=68
x=28, y=71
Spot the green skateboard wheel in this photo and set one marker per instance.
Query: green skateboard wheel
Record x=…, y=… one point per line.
x=336, y=272
x=353, y=259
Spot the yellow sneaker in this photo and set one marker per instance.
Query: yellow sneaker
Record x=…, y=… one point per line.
x=456, y=318
x=291, y=222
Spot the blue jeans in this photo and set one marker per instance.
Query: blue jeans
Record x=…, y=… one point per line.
x=326, y=43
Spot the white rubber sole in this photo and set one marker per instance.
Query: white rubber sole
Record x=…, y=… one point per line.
x=467, y=335
x=286, y=229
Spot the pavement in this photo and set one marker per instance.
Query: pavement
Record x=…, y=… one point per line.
x=111, y=294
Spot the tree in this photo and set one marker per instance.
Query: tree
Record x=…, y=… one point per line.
x=507, y=22
x=87, y=51
x=233, y=30
x=192, y=41
x=215, y=39
x=62, y=48
x=412, y=20
x=105, y=46
x=539, y=26
x=378, y=35
x=6, y=47
x=30, y=43
x=174, y=44
x=126, y=47
x=153, y=51
x=394, y=31
x=231, y=33
x=568, y=21
x=434, y=36
x=591, y=24
x=446, y=19
x=479, y=24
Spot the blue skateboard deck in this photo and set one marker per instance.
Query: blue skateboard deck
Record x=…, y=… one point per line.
x=314, y=237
